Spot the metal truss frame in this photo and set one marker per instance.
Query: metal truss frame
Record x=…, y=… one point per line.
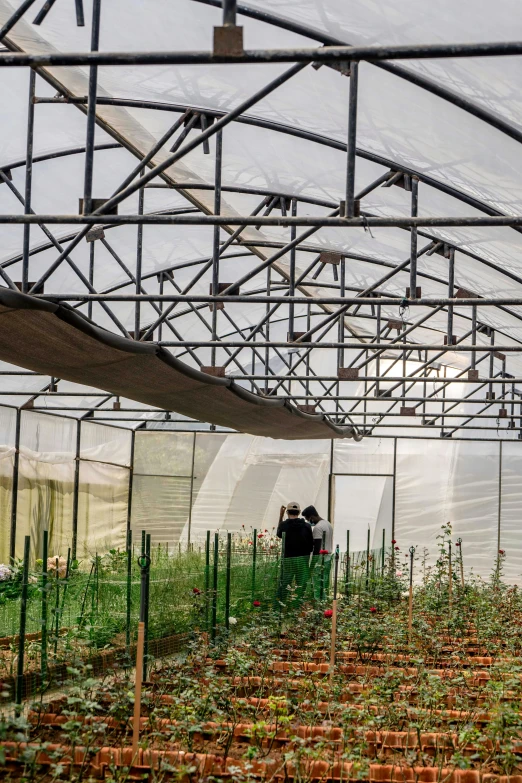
x=321, y=307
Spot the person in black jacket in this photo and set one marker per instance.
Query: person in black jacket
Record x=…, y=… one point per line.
x=298, y=545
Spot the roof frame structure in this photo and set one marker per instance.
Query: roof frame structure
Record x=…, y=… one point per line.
x=256, y=355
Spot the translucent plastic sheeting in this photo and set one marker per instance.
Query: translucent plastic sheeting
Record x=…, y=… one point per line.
x=440, y=482
x=102, y=508
x=45, y=501
x=251, y=478
x=372, y=455
x=161, y=506
x=362, y=503
x=101, y=443
x=6, y=496
x=44, y=433
x=510, y=511
x=163, y=453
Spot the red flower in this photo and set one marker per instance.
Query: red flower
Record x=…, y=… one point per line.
x=196, y=590
x=323, y=552
x=260, y=535
x=256, y=603
x=502, y=551
x=397, y=549
x=373, y=609
x=393, y=541
x=458, y=543
x=250, y=542
x=328, y=612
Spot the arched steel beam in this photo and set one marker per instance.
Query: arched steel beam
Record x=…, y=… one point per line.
x=420, y=81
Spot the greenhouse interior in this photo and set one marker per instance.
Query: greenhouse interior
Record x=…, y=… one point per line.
x=282, y=543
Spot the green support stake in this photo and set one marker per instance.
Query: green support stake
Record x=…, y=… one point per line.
x=227, y=583
x=143, y=540
x=147, y=604
x=215, y=587
x=282, y=567
x=56, y=606
x=129, y=594
x=23, y=621
x=254, y=558
x=383, y=550
x=144, y=564
x=45, y=552
x=207, y=579
x=347, y=572
x=64, y=593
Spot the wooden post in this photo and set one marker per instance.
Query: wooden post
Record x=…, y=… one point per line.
x=334, y=614
x=137, y=690
x=459, y=544
x=410, y=603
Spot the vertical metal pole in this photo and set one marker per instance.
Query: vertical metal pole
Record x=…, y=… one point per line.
x=91, y=275
x=367, y=556
x=321, y=594
x=216, y=248
x=207, y=578
x=383, y=550
x=378, y=359
x=394, y=490
x=347, y=573
x=473, y=335
x=23, y=620
x=14, y=499
x=191, y=498
x=28, y=181
x=45, y=555
x=334, y=614
x=131, y=482
x=491, y=364
x=340, y=330
x=129, y=592
x=413, y=237
x=451, y=293
x=76, y=489
x=410, y=602
x=282, y=568
x=147, y=604
x=91, y=110
x=254, y=558
x=143, y=540
x=461, y=560
x=331, y=480
x=144, y=564
x=267, y=326
x=139, y=260
x=499, y=495
x=229, y=12
x=349, y=210
x=227, y=582
x=291, y=280
x=215, y=586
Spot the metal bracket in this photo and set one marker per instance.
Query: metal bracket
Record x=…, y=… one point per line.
x=228, y=41
x=95, y=233
x=98, y=203
x=348, y=373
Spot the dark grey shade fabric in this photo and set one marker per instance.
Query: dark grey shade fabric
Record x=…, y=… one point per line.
x=56, y=340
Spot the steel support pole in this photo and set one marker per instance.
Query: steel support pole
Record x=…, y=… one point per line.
x=216, y=248
x=229, y=12
x=291, y=281
x=91, y=110
x=28, y=181
x=413, y=238
x=76, y=489
x=14, y=499
x=139, y=260
x=349, y=208
x=451, y=286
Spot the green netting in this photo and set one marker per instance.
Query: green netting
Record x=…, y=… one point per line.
x=92, y=614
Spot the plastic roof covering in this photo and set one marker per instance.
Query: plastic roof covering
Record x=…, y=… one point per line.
x=399, y=123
